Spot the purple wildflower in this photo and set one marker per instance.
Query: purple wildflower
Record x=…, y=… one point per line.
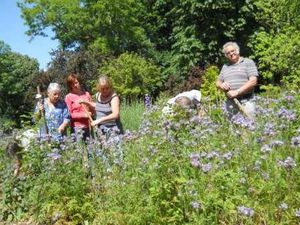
x=287, y=114
x=276, y=143
x=295, y=141
x=54, y=155
x=257, y=165
x=269, y=129
x=147, y=102
x=206, y=167
x=196, y=205
x=243, y=180
x=297, y=213
x=265, y=176
x=246, y=211
x=239, y=119
x=289, y=98
x=195, y=157
x=213, y=154
x=283, y=206
x=266, y=149
x=228, y=155
x=288, y=163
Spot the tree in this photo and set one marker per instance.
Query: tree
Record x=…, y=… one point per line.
x=17, y=74
x=275, y=44
x=188, y=33
x=110, y=26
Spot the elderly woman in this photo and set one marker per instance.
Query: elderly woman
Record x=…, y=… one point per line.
x=55, y=113
x=107, y=107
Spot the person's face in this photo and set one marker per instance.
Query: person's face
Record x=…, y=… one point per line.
x=105, y=90
x=232, y=54
x=54, y=96
x=76, y=85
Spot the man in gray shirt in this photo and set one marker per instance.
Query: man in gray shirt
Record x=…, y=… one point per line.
x=237, y=79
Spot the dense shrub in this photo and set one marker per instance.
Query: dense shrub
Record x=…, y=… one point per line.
x=132, y=75
x=208, y=87
x=278, y=56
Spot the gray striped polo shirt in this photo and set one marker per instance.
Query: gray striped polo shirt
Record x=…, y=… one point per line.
x=238, y=74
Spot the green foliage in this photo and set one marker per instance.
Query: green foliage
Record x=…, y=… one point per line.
x=208, y=88
x=16, y=75
x=278, y=55
x=7, y=125
x=130, y=122
x=275, y=15
x=189, y=33
x=132, y=75
x=84, y=62
x=108, y=26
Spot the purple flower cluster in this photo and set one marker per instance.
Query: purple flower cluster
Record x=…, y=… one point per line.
x=147, y=102
x=246, y=211
x=297, y=213
x=242, y=121
x=276, y=143
x=54, y=155
x=289, y=98
x=269, y=129
x=288, y=163
x=295, y=142
x=283, y=206
x=266, y=149
x=195, y=162
x=286, y=114
x=195, y=205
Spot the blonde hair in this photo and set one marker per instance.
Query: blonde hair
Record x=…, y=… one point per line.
x=104, y=80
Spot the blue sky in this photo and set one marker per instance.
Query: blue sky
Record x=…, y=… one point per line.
x=12, y=32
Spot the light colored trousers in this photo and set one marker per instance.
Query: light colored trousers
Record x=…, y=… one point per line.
x=248, y=104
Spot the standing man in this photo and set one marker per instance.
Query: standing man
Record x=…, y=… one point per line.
x=237, y=79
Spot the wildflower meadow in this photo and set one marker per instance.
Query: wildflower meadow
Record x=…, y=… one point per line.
x=174, y=169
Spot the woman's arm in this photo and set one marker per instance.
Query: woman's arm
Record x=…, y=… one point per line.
x=115, y=107
x=88, y=103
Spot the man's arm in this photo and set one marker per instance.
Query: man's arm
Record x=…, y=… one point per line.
x=224, y=86
x=246, y=88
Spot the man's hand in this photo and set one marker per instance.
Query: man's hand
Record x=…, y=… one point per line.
x=232, y=93
x=225, y=86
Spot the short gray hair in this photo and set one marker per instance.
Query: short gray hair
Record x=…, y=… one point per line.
x=53, y=87
x=232, y=44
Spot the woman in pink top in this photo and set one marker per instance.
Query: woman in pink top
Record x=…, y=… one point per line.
x=80, y=113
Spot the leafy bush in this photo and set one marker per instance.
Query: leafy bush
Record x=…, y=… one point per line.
x=208, y=87
x=132, y=75
x=278, y=56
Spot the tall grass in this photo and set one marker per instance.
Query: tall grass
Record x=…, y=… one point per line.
x=131, y=115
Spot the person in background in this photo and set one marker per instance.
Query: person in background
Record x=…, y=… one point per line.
x=107, y=107
x=55, y=113
x=80, y=114
x=237, y=79
x=187, y=99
